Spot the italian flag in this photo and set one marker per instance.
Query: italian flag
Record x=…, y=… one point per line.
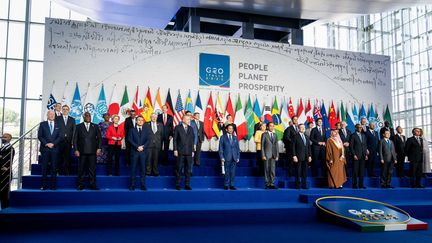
x=240, y=120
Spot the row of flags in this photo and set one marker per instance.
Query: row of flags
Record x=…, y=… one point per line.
x=214, y=116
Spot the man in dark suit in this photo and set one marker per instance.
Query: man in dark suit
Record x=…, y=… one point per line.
x=87, y=144
x=184, y=151
x=387, y=156
x=50, y=135
x=58, y=110
x=414, y=151
x=345, y=134
x=167, y=122
x=129, y=123
x=358, y=149
x=372, y=145
x=7, y=153
x=301, y=156
x=258, y=124
x=67, y=124
x=363, y=123
x=138, y=139
x=229, y=120
x=270, y=154
x=200, y=138
x=288, y=138
x=229, y=154
x=387, y=128
x=318, y=138
x=399, y=141
x=154, y=131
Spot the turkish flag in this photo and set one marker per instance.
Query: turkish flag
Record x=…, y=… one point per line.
x=209, y=119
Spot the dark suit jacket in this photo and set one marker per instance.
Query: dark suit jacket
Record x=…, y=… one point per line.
x=229, y=150
x=399, y=145
x=269, y=148
x=87, y=142
x=358, y=147
x=45, y=136
x=343, y=137
x=387, y=151
x=183, y=142
x=154, y=139
x=128, y=124
x=372, y=141
x=316, y=137
x=68, y=128
x=7, y=154
x=200, y=131
x=301, y=150
x=288, y=137
x=168, y=128
x=136, y=140
x=414, y=150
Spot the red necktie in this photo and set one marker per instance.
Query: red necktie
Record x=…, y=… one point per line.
x=164, y=119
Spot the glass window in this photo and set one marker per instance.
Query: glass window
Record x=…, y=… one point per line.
x=77, y=16
x=4, y=7
x=13, y=78
x=414, y=28
x=37, y=35
x=417, y=99
x=17, y=10
x=12, y=116
x=424, y=77
x=58, y=11
x=416, y=81
x=33, y=113
x=408, y=83
x=423, y=60
x=3, y=36
x=2, y=77
x=401, y=102
x=39, y=10
x=16, y=40
x=35, y=78
x=343, y=38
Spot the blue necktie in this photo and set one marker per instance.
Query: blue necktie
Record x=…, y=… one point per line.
x=51, y=127
x=303, y=137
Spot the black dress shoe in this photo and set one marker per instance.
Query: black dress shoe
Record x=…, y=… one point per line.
x=362, y=187
x=355, y=187
x=94, y=188
x=53, y=188
x=143, y=188
x=390, y=186
x=226, y=188
x=188, y=188
x=177, y=188
x=420, y=186
x=156, y=174
x=132, y=188
x=297, y=187
x=304, y=187
x=44, y=188
x=232, y=188
x=80, y=188
x=267, y=187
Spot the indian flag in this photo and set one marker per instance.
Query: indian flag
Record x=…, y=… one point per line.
x=158, y=103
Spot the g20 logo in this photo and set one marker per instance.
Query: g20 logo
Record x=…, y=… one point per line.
x=214, y=70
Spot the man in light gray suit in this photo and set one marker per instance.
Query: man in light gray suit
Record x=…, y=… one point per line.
x=269, y=154
x=387, y=155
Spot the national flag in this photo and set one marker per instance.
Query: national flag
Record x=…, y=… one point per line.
x=387, y=116
x=267, y=114
x=229, y=108
x=317, y=110
x=355, y=116
x=198, y=107
x=89, y=103
x=101, y=107
x=218, y=117
x=148, y=106
x=362, y=113
x=300, y=113
x=326, y=125
x=309, y=113
x=64, y=101
x=350, y=121
x=278, y=127
x=188, y=105
x=332, y=116
x=137, y=106
x=240, y=120
x=256, y=111
x=250, y=118
x=284, y=115
x=342, y=113
x=371, y=116
x=291, y=112
x=169, y=104
x=51, y=102
x=124, y=105
x=158, y=103
x=179, y=111
x=76, y=106
x=114, y=106
x=209, y=118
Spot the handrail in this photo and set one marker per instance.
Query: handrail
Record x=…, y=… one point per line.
x=25, y=134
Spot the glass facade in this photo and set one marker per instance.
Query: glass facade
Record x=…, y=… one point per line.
x=405, y=35
x=13, y=59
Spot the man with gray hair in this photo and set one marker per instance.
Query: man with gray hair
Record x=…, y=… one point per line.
x=154, y=131
x=184, y=151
